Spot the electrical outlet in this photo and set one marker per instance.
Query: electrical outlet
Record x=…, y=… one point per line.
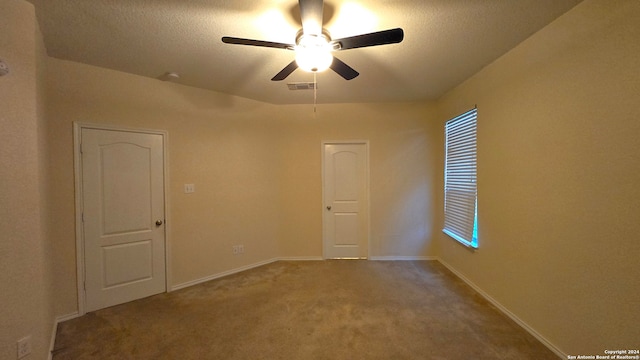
x=237, y=249
x=189, y=188
x=24, y=347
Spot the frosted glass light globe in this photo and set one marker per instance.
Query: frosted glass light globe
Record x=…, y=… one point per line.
x=313, y=53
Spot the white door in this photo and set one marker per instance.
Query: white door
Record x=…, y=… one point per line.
x=346, y=200
x=123, y=216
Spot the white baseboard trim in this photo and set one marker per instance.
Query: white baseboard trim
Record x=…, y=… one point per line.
x=222, y=274
x=401, y=258
x=300, y=258
x=243, y=268
x=54, y=331
x=63, y=318
x=52, y=341
x=506, y=311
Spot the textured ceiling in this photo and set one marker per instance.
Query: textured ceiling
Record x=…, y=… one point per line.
x=446, y=41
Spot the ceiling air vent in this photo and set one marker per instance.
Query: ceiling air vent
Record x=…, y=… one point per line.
x=301, y=86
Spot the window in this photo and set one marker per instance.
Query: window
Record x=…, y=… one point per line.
x=460, y=191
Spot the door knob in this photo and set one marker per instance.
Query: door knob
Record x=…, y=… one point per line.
x=158, y=222
x=329, y=207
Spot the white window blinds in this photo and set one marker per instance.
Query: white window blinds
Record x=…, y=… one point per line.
x=460, y=192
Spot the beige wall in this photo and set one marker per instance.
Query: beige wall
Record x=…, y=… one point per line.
x=403, y=175
x=256, y=168
x=216, y=142
x=559, y=168
x=25, y=298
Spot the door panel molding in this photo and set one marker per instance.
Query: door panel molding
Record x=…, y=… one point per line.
x=327, y=209
x=79, y=234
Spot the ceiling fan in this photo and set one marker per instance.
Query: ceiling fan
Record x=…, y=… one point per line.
x=313, y=44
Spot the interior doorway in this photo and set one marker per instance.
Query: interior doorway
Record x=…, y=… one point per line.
x=345, y=169
x=120, y=206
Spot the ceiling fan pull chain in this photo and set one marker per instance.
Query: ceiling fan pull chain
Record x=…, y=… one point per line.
x=315, y=91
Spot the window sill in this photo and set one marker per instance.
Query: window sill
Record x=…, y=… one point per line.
x=469, y=244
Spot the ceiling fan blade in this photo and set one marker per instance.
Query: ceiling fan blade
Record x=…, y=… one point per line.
x=371, y=39
x=311, y=16
x=271, y=44
x=344, y=70
x=286, y=71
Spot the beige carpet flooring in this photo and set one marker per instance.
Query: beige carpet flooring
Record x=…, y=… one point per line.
x=349, y=309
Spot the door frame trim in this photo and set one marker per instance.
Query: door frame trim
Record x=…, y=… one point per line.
x=77, y=168
x=367, y=191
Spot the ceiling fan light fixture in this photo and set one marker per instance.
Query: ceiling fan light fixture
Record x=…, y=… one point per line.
x=314, y=47
x=313, y=53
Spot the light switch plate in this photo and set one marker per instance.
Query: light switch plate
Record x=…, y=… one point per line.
x=189, y=188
